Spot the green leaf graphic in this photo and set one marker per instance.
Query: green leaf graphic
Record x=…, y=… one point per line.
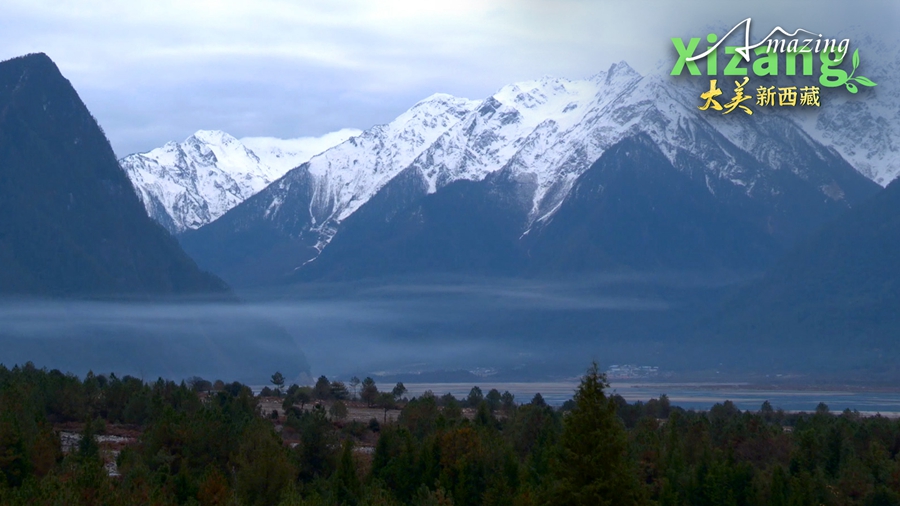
x=865, y=81
x=851, y=87
x=855, y=59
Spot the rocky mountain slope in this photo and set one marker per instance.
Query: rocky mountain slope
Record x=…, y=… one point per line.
x=538, y=137
x=865, y=128
x=832, y=299
x=189, y=184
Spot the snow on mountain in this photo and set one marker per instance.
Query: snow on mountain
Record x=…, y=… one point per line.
x=285, y=154
x=189, y=184
x=542, y=135
x=535, y=127
x=551, y=130
x=349, y=174
x=546, y=132
x=865, y=128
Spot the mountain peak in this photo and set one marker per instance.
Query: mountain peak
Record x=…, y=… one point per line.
x=189, y=184
x=212, y=137
x=72, y=224
x=620, y=71
x=531, y=141
x=33, y=58
x=33, y=71
x=439, y=97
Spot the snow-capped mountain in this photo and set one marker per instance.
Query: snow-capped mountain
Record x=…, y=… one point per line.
x=285, y=154
x=541, y=136
x=338, y=181
x=189, y=184
x=551, y=130
x=865, y=128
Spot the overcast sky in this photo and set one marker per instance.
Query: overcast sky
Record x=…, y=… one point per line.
x=159, y=70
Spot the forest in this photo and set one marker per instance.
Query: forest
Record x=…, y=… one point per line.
x=103, y=440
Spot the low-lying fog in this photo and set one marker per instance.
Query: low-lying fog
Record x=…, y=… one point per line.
x=508, y=329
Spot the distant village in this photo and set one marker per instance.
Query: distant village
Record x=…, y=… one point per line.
x=628, y=371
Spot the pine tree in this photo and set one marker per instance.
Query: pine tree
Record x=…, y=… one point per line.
x=369, y=391
x=593, y=466
x=345, y=482
x=278, y=381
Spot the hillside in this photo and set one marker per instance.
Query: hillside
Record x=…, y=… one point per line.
x=70, y=222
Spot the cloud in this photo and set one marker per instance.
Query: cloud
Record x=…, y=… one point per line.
x=158, y=71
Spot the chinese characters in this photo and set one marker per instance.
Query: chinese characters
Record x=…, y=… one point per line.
x=770, y=96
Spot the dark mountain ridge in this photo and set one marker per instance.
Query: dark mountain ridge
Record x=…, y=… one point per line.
x=70, y=221
x=632, y=210
x=839, y=291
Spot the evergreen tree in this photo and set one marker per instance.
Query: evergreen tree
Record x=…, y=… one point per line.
x=387, y=402
x=315, y=453
x=369, y=391
x=508, y=401
x=399, y=390
x=593, y=467
x=493, y=399
x=475, y=397
x=87, y=445
x=278, y=381
x=345, y=483
x=262, y=466
x=339, y=391
x=338, y=410
x=322, y=390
